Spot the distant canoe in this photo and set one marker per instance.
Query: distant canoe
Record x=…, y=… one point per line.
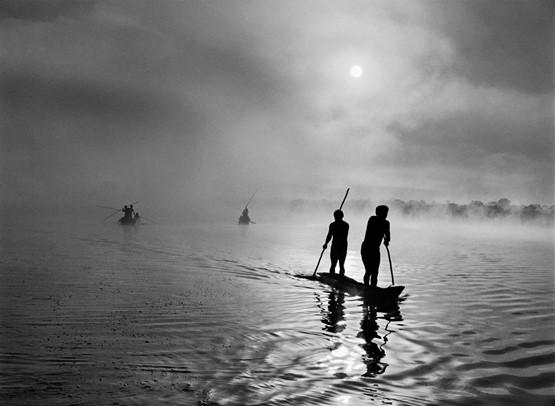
x=129, y=221
x=244, y=220
x=350, y=285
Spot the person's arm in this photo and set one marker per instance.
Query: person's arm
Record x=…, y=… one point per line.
x=328, y=238
x=387, y=234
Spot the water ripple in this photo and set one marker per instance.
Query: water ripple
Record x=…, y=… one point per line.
x=162, y=317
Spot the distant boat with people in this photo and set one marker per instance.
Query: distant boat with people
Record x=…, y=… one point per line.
x=130, y=216
x=244, y=219
x=130, y=221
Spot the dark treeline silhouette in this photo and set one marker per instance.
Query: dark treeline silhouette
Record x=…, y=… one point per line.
x=536, y=214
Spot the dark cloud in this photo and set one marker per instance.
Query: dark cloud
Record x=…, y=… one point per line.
x=503, y=43
x=31, y=98
x=463, y=138
x=24, y=90
x=183, y=100
x=42, y=10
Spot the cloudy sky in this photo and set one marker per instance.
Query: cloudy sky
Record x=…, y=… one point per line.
x=186, y=102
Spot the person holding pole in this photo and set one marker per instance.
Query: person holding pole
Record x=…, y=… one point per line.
x=326, y=244
x=377, y=230
x=338, y=231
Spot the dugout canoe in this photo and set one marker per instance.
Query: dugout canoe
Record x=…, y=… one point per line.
x=129, y=221
x=389, y=294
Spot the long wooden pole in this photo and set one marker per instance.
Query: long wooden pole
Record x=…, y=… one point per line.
x=144, y=218
x=323, y=249
x=251, y=198
x=107, y=207
x=112, y=214
x=346, y=193
x=390, y=266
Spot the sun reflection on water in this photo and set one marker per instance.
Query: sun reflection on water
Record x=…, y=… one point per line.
x=357, y=336
x=344, y=361
x=344, y=399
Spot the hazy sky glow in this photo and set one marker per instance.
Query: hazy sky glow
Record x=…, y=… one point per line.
x=195, y=101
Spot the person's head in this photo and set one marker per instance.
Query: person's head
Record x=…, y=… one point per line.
x=381, y=211
x=125, y=207
x=338, y=214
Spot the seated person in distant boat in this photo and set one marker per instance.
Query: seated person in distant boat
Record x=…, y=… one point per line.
x=245, y=216
x=137, y=218
x=338, y=231
x=127, y=212
x=377, y=230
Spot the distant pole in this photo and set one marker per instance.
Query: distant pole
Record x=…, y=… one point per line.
x=144, y=218
x=118, y=210
x=251, y=198
x=323, y=249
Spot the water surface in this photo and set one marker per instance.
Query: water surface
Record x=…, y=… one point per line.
x=217, y=314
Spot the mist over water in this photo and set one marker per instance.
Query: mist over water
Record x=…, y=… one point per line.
x=187, y=108
x=171, y=313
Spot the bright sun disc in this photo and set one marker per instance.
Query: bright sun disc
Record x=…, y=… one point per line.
x=356, y=71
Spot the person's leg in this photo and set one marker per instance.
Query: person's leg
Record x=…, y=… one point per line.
x=333, y=264
x=375, y=266
x=333, y=258
x=365, y=261
x=374, y=279
x=342, y=262
x=342, y=266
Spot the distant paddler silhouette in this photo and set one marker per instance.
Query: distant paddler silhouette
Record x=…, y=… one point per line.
x=244, y=218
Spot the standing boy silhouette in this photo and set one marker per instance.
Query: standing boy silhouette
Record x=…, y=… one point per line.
x=339, y=230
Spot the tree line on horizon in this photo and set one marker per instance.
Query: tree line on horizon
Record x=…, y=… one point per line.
x=500, y=209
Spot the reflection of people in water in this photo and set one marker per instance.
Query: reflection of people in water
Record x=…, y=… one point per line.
x=336, y=312
x=338, y=230
x=369, y=331
x=334, y=322
x=377, y=230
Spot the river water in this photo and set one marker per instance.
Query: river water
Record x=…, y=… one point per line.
x=219, y=314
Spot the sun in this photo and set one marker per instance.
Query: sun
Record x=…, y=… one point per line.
x=356, y=71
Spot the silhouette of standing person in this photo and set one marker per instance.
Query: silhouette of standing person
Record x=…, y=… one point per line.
x=339, y=230
x=377, y=230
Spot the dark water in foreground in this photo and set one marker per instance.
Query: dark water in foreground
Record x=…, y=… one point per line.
x=217, y=315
